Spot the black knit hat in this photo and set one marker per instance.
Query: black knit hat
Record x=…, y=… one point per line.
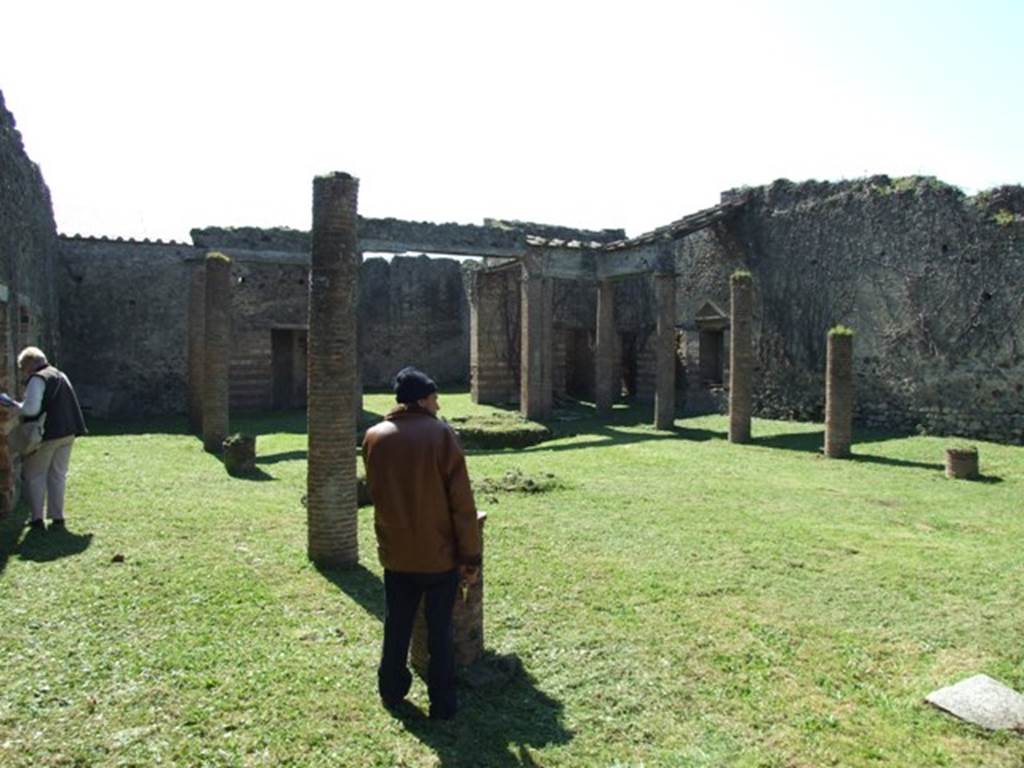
x=412, y=384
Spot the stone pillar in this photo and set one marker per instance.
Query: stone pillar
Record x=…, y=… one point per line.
x=604, y=352
x=331, y=403
x=217, y=350
x=467, y=624
x=962, y=463
x=665, y=351
x=839, y=393
x=196, y=341
x=494, y=304
x=535, y=379
x=741, y=356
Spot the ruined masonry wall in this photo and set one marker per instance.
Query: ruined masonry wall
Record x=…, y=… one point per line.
x=125, y=322
x=929, y=280
x=28, y=248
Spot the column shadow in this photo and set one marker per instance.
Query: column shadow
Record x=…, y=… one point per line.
x=360, y=584
x=497, y=724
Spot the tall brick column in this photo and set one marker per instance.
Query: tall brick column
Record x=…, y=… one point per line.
x=741, y=356
x=196, y=342
x=535, y=378
x=604, y=352
x=839, y=393
x=665, y=351
x=467, y=624
x=217, y=349
x=331, y=403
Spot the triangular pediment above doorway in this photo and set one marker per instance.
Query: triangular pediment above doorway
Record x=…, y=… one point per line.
x=711, y=311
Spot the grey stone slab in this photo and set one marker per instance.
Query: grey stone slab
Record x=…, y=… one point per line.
x=983, y=701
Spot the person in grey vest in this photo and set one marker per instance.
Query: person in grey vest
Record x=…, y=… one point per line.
x=49, y=392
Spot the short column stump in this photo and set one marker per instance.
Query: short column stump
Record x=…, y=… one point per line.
x=467, y=625
x=240, y=454
x=962, y=463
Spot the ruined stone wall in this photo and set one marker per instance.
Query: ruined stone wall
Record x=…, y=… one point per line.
x=125, y=323
x=28, y=249
x=28, y=301
x=124, y=308
x=928, y=279
x=413, y=311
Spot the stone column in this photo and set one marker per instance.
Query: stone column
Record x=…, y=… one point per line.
x=467, y=624
x=665, y=351
x=741, y=356
x=331, y=404
x=535, y=378
x=494, y=304
x=217, y=350
x=196, y=339
x=839, y=393
x=604, y=349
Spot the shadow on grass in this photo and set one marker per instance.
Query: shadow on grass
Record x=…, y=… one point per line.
x=496, y=725
x=37, y=545
x=605, y=435
x=274, y=458
x=813, y=442
x=864, y=458
x=360, y=584
x=255, y=475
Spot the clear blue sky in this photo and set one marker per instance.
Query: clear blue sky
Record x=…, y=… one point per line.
x=150, y=119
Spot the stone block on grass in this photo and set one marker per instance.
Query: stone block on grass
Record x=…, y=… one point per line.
x=240, y=454
x=982, y=701
x=962, y=463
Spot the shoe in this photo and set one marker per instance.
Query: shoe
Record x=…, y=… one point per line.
x=57, y=524
x=38, y=524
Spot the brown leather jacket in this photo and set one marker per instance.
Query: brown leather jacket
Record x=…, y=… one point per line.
x=424, y=513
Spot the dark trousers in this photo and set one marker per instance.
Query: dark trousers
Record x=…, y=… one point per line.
x=402, y=593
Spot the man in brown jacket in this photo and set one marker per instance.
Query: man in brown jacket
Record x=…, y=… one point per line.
x=427, y=535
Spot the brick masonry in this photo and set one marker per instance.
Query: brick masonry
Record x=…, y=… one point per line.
x=741, y=358
x=331, y=496
x=216, y=350
x=839, y=396
x=494, y=335
x=536, y=375
x=606, y=349
x=467, y=624
x=665, y=352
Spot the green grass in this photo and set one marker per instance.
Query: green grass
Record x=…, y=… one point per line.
x=674, y=600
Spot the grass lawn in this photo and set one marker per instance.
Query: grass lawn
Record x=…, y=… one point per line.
x=674, y=600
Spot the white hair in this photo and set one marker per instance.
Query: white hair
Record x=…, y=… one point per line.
x=33, y=355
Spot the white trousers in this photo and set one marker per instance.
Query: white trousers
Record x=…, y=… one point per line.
x=45, y=473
